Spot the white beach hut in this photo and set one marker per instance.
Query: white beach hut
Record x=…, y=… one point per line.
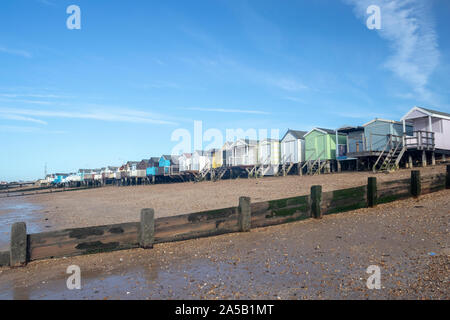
x=200, y=160
x=269, y=156
x=431, y=128
x=293, y=147
x=185, y=162
x=244, y=152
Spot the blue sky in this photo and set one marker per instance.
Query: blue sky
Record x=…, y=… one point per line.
x=116, y=89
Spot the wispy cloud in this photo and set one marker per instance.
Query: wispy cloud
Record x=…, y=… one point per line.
x=16, y=52
x=110, y=114
x=9, y=116
x=409, y=28
x=27, y=101
x=228, y=110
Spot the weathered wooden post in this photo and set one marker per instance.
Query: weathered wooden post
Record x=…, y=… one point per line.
x=447, y=180
x=316, y=199
x=415, y=183
x=4, y=258
x=18, y=246
x=147, y=228
x=244, y=214
x=372, y=192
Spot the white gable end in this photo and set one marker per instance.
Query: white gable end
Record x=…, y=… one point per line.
x=289, y=137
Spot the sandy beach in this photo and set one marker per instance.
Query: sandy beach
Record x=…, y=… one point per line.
x=111, y=204
x=310, y=259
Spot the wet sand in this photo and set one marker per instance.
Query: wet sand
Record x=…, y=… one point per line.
x=311, y=259
x=111, y=205
x=16, y=211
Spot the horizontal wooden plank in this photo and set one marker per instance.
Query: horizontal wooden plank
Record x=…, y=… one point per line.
x=167, y=222
x=344, y=200
x=196, y=230
x=280, y=211
x=391, y=185
x=433, y=183
x=263, y=221
x=78, y=241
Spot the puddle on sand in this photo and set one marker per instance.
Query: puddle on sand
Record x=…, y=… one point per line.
x=189, y=280
x=12, y=212
x=139, y=282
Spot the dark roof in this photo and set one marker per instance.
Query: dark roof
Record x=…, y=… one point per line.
x=436, y=112
x=327, y=130
x=173, y=159
x=296, y=133
x=350, y=129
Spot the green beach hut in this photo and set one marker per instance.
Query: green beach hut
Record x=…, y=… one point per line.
x=320, y=144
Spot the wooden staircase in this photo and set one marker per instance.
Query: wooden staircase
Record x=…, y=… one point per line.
x=286, y=165
x=391, y=155
x=315, y=166
x=263, y=167
x=220, y=172
x=201, y=175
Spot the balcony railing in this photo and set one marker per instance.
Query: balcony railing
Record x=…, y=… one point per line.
x=420, y=140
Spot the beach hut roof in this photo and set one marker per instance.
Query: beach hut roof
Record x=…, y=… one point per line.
x=323, y=130
x=200, y=152
x=173, y=159
x=430, y=112
x=296, y=133
x=349, y=129
x=382, y=120
x=247, y=141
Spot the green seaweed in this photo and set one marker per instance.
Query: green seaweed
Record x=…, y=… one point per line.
x=97, y=246
x=283, y=203
x=392, y=198
x=350, y=207
x=358, y=192
x=289, y=211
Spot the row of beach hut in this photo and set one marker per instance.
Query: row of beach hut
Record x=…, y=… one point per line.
x=421, y=136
